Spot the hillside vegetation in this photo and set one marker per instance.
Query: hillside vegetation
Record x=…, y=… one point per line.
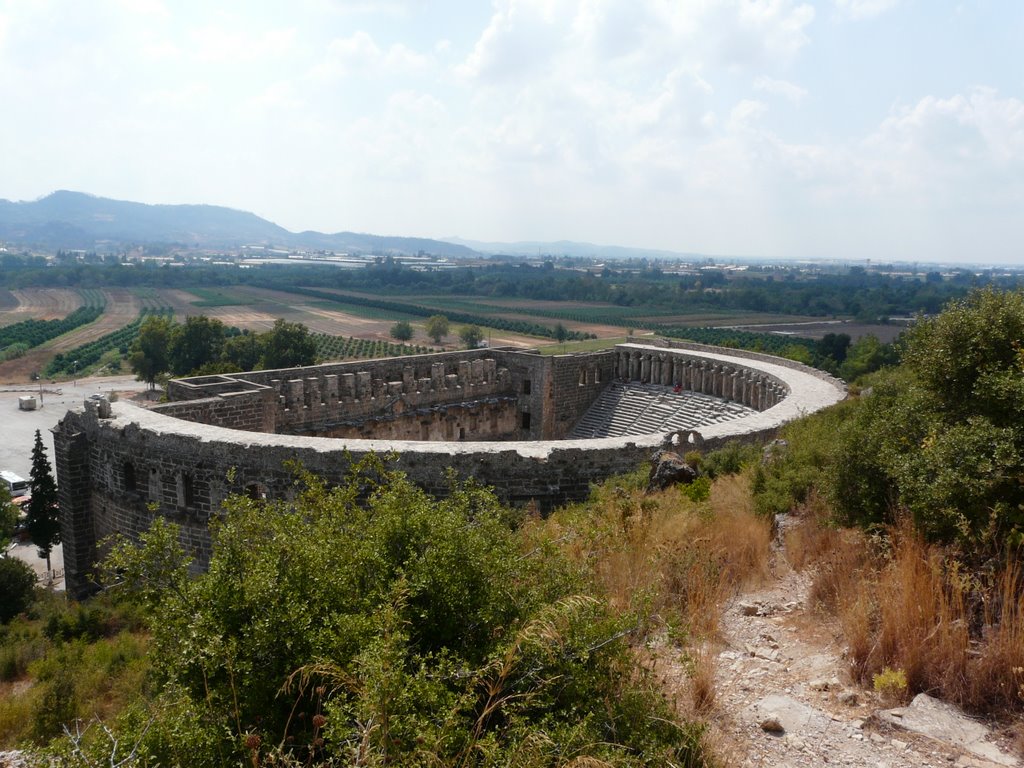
x=927, y=466
x=372, y=625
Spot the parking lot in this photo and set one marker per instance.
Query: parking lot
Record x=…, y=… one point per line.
x=18, y=429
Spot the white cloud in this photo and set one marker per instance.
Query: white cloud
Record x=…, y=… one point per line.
x=965, y=146
x=360, y=53
x=745, y=114
x=227, y=42
x=185, y=97
x=784, y=88
x=154, y=8
x=525, y=37
x=279, y=96
x=864, y=9
x=522, y=38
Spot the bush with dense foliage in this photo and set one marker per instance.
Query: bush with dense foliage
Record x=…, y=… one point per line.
x=372, y=624
x=943, y=437
x=17, y=584
x=940, y=437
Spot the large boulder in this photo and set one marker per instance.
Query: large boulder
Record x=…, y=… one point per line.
x=667, y=469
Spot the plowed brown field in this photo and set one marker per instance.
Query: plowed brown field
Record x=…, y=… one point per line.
x=302, y=309
x=38, y=304
x=122, y=306
x=269, y=305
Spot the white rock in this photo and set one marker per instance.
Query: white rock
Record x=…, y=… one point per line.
x=946, y=723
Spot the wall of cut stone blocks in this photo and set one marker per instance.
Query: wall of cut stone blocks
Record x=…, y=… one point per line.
x=318, y=399
x=119, y=465
x=129, y=473
x=495, y=418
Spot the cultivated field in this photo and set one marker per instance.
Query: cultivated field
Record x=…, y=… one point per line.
x=361, y=322
x=815, y=329
x=257, y=309
x=601, y=319
x=37, y=304
x=122, y=306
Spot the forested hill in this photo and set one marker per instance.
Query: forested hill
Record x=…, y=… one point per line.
x=76, y=220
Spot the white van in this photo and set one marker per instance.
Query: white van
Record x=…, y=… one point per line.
x=15, y=484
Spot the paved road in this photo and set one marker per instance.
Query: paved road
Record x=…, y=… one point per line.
x=18, y=429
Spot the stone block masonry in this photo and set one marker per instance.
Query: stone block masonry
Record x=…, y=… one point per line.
x=119, y=465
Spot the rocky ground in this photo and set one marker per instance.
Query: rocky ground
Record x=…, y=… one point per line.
x=783, y=697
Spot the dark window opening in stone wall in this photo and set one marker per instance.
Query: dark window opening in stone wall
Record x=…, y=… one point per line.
x=527, y=386
x=156, y=491
x=254, y=492
x=526, y=421
x=129, y=477
x=186, y=491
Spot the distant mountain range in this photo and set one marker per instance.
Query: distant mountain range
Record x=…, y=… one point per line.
x=75, y=220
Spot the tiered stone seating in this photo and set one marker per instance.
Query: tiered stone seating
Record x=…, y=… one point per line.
x=641, y=409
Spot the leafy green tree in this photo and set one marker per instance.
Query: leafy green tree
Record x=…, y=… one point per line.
x=402, y=330
x=471, y=336
x=288, y=345
x=942, y=436
x=970, y=357
x=17, y=586
x=437, y=327
x=799, y=353
x=561, y=333
x=197, y=342
x=409, y=631
x=833, y=347
x=43, y=512
x=865, y=356
x=244, y=351
x=8, y=518
x=149, y=352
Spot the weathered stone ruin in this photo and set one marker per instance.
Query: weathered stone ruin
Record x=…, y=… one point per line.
x=521, y=422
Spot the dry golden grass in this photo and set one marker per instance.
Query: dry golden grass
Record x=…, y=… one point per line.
x=702, y=682
x=914, y=608
x=680, y=556
x=839, y=557
x=996, y=676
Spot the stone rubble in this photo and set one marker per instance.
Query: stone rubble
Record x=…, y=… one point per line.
x=784, y=698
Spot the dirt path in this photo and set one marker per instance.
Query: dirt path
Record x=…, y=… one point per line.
x=779, y=660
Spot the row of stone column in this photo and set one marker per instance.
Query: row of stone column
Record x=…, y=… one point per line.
x=710, y=377
x=328, y=390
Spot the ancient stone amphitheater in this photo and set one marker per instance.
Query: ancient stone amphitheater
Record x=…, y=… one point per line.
x=534, y=427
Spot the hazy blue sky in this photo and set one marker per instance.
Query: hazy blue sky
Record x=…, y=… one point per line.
x=843, y=128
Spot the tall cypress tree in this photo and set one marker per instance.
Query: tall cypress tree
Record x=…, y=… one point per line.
x=43, y=513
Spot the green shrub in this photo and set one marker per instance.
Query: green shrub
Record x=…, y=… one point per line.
x=57, y=705
x=698, y=490
x=891, y=685
x=17, y=587
x=344, y=624
x=76, y=622
x=20, y=645
x=729, y=459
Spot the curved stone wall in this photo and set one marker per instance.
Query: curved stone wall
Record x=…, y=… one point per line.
x=118, y=465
